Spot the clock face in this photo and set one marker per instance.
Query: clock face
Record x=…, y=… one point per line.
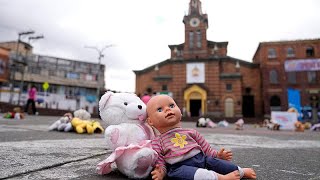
x=194, y=22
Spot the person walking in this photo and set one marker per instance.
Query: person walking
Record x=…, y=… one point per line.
x=32, y=95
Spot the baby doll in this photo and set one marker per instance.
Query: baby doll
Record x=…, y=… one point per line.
x=184, y=153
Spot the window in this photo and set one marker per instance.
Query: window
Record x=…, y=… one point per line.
x=312, y=77
x=272, y=53
x=164, y=87
x=273, y=77
x=290, y=52
x=69, y=92
x=34, y=70
x=199, y=39
x=229, y=87
x=191, y=39
x=53, y=88
x=52, y=73
x=292, y=77
x=309, y=51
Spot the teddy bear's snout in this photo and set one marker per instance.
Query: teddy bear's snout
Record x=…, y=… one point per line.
x=139, y=106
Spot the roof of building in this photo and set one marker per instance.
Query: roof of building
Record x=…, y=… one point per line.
x=281, y=42
x=216, y=58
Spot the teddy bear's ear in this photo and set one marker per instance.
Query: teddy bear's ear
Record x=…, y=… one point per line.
x=104, y=99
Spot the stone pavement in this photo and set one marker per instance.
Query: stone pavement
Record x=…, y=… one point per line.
x=29, y=151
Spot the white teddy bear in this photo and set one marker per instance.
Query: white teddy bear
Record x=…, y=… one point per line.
x=62, y=124
x=127, y=134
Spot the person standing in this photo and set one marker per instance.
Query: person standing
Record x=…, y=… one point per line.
x=32, y=95
x=146, y=97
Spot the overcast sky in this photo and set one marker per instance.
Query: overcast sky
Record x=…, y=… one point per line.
x=141, y=30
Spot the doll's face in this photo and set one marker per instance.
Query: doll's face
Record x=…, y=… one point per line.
x=163, y=113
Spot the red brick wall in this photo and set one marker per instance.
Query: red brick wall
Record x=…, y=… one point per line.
x=215, y=86
x=266, y=65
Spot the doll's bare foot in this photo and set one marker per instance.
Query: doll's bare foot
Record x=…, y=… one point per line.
x=249, y=173
x=234, y=175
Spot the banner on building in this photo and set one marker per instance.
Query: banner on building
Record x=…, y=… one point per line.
x=286, y=120
x=302, y=65
x=195, y=73
x=294, y=100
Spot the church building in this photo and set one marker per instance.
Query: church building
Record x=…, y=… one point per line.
x=201, y=77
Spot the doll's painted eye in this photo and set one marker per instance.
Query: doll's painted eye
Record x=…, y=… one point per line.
x=159, y=109
x=125, y=103
x=171, y=105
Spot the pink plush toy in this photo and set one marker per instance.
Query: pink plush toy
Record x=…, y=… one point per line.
x=127, y=134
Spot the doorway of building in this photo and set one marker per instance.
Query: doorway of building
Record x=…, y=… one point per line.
x=248, y=106
x=275, y=103
x=195, y=108
x=229, y=107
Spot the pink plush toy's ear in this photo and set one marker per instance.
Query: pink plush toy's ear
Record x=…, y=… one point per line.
x=104, y=99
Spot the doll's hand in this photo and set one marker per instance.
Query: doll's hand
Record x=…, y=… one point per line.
x=158, y=173
x=224, y=154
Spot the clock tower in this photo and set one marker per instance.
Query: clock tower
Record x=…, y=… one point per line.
x=196, y=25
x=196, y=45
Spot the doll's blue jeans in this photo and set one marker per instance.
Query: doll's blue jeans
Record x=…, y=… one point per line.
x=186, y=169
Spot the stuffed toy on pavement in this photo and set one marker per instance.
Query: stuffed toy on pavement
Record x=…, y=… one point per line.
x=127, y=134
x=82, y=123
x=17, y=113
x=206, y=122
x=299, y=126
x=63, y=124
x=239, y=124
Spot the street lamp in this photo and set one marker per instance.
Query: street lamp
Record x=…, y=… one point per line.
x=35, y=38
x=24, y=66
x=16, y=60
x=101, y=55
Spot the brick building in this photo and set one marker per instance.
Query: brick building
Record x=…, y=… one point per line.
x=72, y=84
x=201, y=77
x=290, y=64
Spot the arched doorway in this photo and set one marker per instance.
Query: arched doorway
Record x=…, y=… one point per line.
x=275, y=103
x=229, y=107
x=195, y=98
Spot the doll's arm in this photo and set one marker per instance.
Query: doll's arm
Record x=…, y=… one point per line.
x=158, y=173
x=224, y=154
x=205, y=146
x=209, y=151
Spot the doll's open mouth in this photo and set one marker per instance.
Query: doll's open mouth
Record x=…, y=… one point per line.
x=169, y=115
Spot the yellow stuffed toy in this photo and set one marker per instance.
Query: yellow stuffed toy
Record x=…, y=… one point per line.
x=86, y=126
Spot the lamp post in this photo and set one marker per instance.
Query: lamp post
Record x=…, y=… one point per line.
x=15, y=61
x=24, y=66
x=35, y=38
x=101, y=55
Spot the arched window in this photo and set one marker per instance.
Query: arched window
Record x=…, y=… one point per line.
x=199, y=39
x=191, y=39
x=290, y=52
x=309, y=51
x=272, y=53
x=273, y=77
x=292, y=79
x=312, y=77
